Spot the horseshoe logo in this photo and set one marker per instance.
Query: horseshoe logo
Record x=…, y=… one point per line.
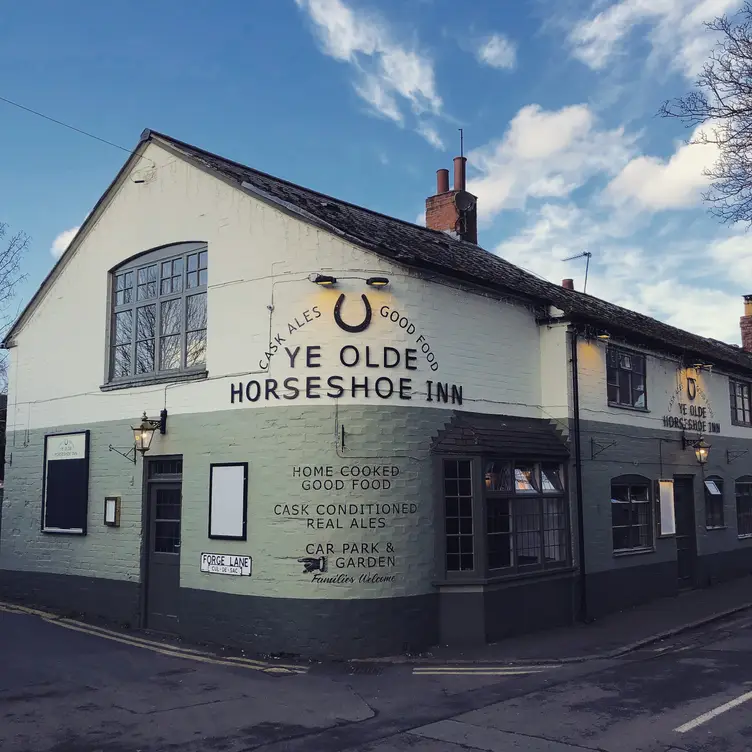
x=353, y=328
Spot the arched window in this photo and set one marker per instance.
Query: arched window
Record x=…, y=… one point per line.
x=714, y=502
x=158, y=326
x=744, y=506
x=632, y=524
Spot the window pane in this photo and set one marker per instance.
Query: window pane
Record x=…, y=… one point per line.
x=625, y=387
x=170, y=313
x=202, y=277
x=177, y=284
x=554, y=530
x=639, y=493
x=192, y=280
x=145, y=356
x=121, y=361
x=167, y=536
x=527, y=527
x=123, y=327
x=613, y=393
x=166, y=269
x=638, y=390
x=146, y=322
x=498, y=476
x=193, y=262
x=195, y=312
x=177, y=267
x=169, y=353
x=166, y=286
x=203, y=260
x=458, y=511
x=524, y=478
x=551, y=477
x=195, y=348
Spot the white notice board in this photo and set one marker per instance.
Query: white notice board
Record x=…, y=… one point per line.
x=228, y=497
x=666, y=498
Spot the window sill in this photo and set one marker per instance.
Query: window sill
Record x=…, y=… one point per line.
x=634, y=551
x=740, y=424
x=717, y=527
x=167, y=378
x=511, y=577
x=746, y=536
x=629, y=407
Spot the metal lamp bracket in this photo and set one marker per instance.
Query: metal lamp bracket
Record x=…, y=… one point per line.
x=734, y=454
x=596, y=448
x=130, y=455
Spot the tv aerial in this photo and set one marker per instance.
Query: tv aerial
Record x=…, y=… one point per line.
x=586, y=255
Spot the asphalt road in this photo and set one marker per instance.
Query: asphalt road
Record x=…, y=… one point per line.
x=66, y=687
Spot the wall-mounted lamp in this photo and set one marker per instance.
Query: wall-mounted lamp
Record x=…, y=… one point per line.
x=702, y=449
x=700, y=366
x=142, y=436
x=602, y=335
x=377, y=281
x=324, y=280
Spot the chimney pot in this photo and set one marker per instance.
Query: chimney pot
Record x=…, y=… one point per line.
x=745, y=323
x=459, y=173
x=442, y=181
x=567, y=284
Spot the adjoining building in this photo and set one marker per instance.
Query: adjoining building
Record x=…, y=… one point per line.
x=246, y=412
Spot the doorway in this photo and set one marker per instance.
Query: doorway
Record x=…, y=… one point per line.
x=162, y=559
x=686, y=531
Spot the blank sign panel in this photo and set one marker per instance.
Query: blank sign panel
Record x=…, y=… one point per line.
x=228, y=494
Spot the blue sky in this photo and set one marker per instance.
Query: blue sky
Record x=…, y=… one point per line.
x=363, y=99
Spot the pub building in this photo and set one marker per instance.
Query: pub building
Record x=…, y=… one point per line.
x=247, y=413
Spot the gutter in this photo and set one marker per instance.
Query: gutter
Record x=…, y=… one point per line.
x=583, y=607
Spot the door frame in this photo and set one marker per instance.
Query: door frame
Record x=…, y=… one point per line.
x=691, y=478
x=146, y=486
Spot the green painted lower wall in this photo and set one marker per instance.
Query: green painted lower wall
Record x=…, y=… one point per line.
x=368, y=507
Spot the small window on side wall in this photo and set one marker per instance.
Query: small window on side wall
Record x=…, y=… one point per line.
x=625, y=378
x=159, y=314
x=744, y=506
x=714, y=517
x=632, y=523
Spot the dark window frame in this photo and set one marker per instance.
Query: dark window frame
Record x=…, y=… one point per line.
x=745, y=397
x=632, y=482
x=135, y=296
x=743, y=506
x=614, y=386
x=715, y=516
x=548, y=538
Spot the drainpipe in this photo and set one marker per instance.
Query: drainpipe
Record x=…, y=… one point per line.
x=583, y=611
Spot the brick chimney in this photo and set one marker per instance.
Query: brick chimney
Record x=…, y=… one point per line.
x=448, y=213
x=567, y=284
x=746, y=324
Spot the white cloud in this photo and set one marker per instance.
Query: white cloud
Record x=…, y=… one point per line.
x=62, y=241
x=655, y=184
x=498, y=51
x=388, y=74
x=430, y=134
x=545, y=154
x=698, y=303
x=677, y=32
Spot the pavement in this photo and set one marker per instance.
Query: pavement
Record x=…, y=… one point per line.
x=68, y=686
x=610, y=636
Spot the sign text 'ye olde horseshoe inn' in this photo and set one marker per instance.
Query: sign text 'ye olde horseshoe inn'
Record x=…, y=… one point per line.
x=383, y=357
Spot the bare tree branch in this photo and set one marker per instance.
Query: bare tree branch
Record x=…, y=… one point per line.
x=12, y=250
x=722, y=102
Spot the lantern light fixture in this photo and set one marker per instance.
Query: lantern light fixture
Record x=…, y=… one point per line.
x=603, y=335
x=701, y=447
x=377, y=281
x=143, y=435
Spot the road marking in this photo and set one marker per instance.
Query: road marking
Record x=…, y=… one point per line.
x=480, y=670
x=154, y=646
x=705, y=717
